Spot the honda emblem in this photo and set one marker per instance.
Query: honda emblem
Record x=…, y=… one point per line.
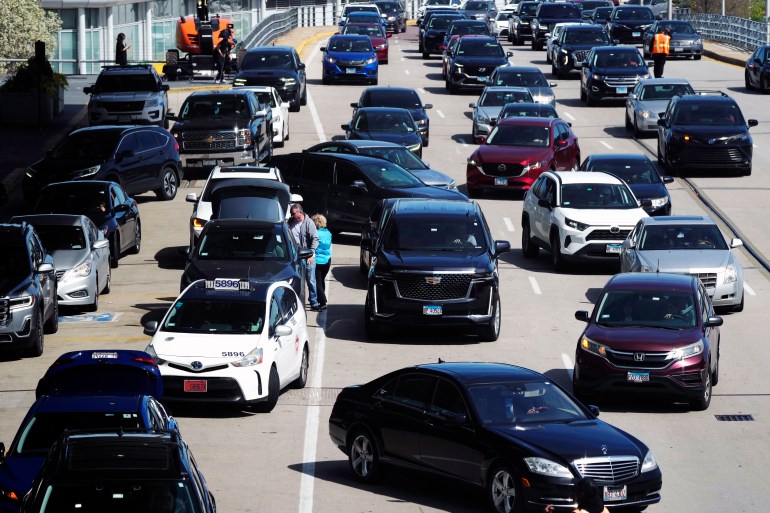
x=638, y=357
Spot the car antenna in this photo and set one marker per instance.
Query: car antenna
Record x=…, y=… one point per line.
x=441, y=361
x=657, y=269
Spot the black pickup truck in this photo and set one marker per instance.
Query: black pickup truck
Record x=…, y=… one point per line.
x=223, y=128
x=548, y=15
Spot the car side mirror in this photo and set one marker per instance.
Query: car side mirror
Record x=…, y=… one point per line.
x=345, y=127
x=645, y=203
x=427, y=106
x=584, y=64
x=354, y=105
x=323, y=48
x=100, y=244
x=261, y=113
x=150, y=328
x=509, y=54
x=171, y=116
x=454, y=419
x=594, y=410
x=45, y=268
x=736, y=243
x=124, y=155
x=662, y=122
x=492, y=122
x=358, y=184
x=713, y=322
x=482, y=139
x=296, y=198
x=627, y=244
x=543, y=203
x=304, y=253
x=650, y=64
x=282, y=331
x=191, y=198
x=337, y=33
x=753, y=122
x=164, y=87
x=552, y=84
x=502, y=246
x=301, y=65
x=668, y=179
x=489, y=82
x=631, y=96
x=122, y=207
x=473, y=105
x=582, y=315
x=561, y=143
x=88, y=90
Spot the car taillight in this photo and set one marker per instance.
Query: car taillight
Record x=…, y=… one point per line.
x=176, y=145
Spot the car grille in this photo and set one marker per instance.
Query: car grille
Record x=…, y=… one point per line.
x=638, y=360
x=507, y=169
x=4, y=311
x=475, y=71
x=341, y=62
x=60, y=274
x=123, y=106
x=579, y=55
x=608, y=469
x=608, y=235
x=706, y=154
x=185, y=368
x=265, y=81
x=449, y=286
x=203, y=140
x=709, y=280
x=622, y=81
x=682, y=43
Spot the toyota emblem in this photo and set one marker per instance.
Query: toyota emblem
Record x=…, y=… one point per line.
x=502, y=168
x=638, y=357
x=432, y=280
x=614, y=229
x=196, y=365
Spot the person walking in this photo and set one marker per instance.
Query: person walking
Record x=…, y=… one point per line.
x=121, y=50
x=306, y=236
x=660, y=49
x=220, y=51
x=323, y=259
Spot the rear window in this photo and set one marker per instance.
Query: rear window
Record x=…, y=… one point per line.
x=267, y=60
x=385, y=98
x=642, y=13
x=473, y=48
x=103, y=380
x=266, y=244
x=123, y=82
x=528, y=9
x=560, y=10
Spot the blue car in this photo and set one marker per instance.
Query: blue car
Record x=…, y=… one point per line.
x=349, y=57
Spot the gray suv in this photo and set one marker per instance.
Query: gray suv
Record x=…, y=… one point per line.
x=132, y=95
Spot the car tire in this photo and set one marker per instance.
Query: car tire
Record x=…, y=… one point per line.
x=510, y=37
x=425, y=55
x=548, y=59
x=108, y=286
x=474, y=193
x=303, y=98
x=554, y=71
x=115, y=250
x=503, y=491
x=38, y=344
x=364, y=457
x=295, y=107
x=747, y=81
x=715, y=372
x=491, y=332
x=137, y=247
x=529, y=247
x=557, y=259
x=273, y=391
x=169, y=183
x=94, y=306
x=362, y=267
x=762, y=84
x=304, y=366
x=637, y=133
x=165, y=123
x=51, y=326
x=371, y=326
x=629, y=125
x=582, y=93
x=590, y=100
x=697, y=57
x=702, y=402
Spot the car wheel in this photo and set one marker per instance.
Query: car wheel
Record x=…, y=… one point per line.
x=474, y=193
x=362, y=264
x=301, y=380
x=548, y=59
x=166, y=124
x=108, y=286
x=371, y=327
x=637, y=133
x=425, y=55
x=115, y=250
x=452, y=87
x=503, y=492
x=137, y=238
x=528, y=245
x=295, y=107
x=715, y=372
x=747, y=81
x=582, y=93
x=629, y=125
x=94, y=306
x=303, y=98
x=554, y=71
x=556, y=257
x=324, y=81
x=762, y=84
x=52, y=325
x=697, y=57
x=38, y=344
x=702, y=402
x=286, y=136
x=510, y=37
x=590, y=100
x=273, y=391
x=168, y=185
x=491, y=331
x=363, y=457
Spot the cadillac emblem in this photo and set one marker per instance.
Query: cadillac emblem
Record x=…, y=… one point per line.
x=432, y=280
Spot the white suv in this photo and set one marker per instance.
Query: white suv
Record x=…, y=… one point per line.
x=578, y=215
x=278, y=107
x=128, y=95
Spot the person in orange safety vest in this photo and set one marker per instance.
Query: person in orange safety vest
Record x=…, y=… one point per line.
x=660, y=49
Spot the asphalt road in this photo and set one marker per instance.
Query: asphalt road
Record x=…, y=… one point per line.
x=284, y=461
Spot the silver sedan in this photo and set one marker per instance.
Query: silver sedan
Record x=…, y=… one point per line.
x=648, y=99
x=689, y=245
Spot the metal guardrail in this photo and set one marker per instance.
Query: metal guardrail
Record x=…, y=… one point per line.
x=729, y=29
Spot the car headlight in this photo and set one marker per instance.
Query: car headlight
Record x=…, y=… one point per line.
x=564, y=51
x=731, y=276
x=80, y=271
x=30, y=172
x=586, y=344
x=243, y=137
x=391, y=18
x=17, y=303
x=544, y=98
x=330, y=59
x=645, y=114
x=239, y=82
x=649, y=462
x=600, y=78
x=82, y=173
x=739, y=138
x=150, y=350
x=659, y=202
x=474, y=162
x=413, y=147
x=289, y=81
x=422, y=122
x=481, y=118
x=681, y=353
x=95, y=104
x=11, y=495
x=576, y=225
x=253, y=358
x=380, y=47
x=534, y=166
x=698, y=42
x=546, y=467
x=152, y=103
x=371, y=60
x=646, y=75
x=644, y=27
x=452, y=185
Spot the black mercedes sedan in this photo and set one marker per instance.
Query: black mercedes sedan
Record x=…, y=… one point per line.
x=628, y=23
x=508, y=429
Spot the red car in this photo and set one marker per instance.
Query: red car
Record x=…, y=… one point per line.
x=518, y=150
x=376, y=34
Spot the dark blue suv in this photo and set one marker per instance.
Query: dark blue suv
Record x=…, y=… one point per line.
x=475, y=59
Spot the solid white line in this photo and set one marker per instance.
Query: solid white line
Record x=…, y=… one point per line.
x=568, y=365
x=508, y=223
x=311, y=105
x=749, y=289
x=407, y=72
x=606, y=145
x=440, y=114
x=535, y=286
x=569, y=116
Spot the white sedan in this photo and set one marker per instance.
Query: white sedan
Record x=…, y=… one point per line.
x=280, y=111
x=231, y=341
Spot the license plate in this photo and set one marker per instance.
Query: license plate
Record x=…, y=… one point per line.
x=124, y=119
x=103, y=356
x=678, y=49
x=636, y=34
x=209, y=162
x=432, y=310
x=482, y=79
x=638, y=377
x=501, y=181
x=350, y=71
x=195, y=385
x=615, y=493
x=614, y=248
x=621, y=90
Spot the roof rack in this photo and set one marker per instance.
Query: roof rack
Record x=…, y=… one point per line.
x=126, y=66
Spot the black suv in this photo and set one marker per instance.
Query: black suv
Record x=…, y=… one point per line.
x=433, y=263
x=519, y=25
x=704, y=132
x=435, y=32
x=611, y=72
x=227, y=127
x=628, y=23
x=547, y=16
x=132, y=95
x=399, y=97
x=139, y=158
x=573, y=45
x=346, y=188
x=126, y=470
x=475, y=59
x=28, y=301
x=393, y=14
x=276, y=66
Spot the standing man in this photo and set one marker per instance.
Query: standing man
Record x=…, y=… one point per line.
x=306, y=236
x=121, y=50
x=660, y=49
x=220, y=51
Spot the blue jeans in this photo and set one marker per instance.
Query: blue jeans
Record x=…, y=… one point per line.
x=310, y=279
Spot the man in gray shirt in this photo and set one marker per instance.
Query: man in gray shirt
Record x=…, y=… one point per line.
x=306, y=236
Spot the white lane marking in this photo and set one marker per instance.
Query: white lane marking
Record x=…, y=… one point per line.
x=606, y=145
x=568, y=365
x=311, y=105
x=307, y=481
x=749, y=289
x=535, y=286
x=508, y=223
x=569, y=116
x=440, y=114
x=407, y=72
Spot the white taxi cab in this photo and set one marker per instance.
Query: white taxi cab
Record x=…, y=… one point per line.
x=231, y=341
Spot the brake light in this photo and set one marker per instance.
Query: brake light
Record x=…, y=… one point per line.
x=176, y=145
x=148, y=361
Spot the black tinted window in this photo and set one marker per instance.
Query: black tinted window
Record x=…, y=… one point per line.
x=267, y=60
x=317, y=170
x=113, y=83
x=259, y=244
x=415, y=391
x=56, y=237
x=384, y=98
x=88, y=143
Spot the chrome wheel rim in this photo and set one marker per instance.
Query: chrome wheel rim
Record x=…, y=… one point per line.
x=304, y=367
x=503, y=492
x=361, y=457
x=137, y=236
x=169, y=183
x=497, y=318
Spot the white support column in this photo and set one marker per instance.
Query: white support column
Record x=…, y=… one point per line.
x=109, y=44
x=147, y=53
x=670, y=10
x=723, y=7
x=81, y=53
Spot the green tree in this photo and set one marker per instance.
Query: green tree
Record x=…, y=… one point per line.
x=22, y=22
x=757, y=12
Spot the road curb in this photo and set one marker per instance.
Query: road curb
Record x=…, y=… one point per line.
x=728, y=59
x=313, y=39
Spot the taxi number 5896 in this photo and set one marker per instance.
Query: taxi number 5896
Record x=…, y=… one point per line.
x=232, y=353
x=228, y=284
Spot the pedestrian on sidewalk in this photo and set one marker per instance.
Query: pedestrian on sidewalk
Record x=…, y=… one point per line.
x=660, y=49
x=220, y=51
x=121, y=50
x=323, y=259
x=306, y=236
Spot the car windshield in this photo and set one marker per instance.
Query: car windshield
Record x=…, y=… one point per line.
x=528, y=9
x=590, y=5
x=537, y=110
x=359, y=8
x=349, y=45
x=523, y=402
x=602, y=12
x=14, y=263
x=503, y=16
x=203, y=107
x=401, y=156
x=520, y=79
x=215, y=316
x=440, y=22
x=618, y=60
x=364, y=30
x=403, y=99
x=678, y=28
x=364, y=17
x=437, y=2
x=233, y=206
x=258, y=244
x=473, y=48
x=57, y=237
x=468, y=28
x=388, y=174
x=267, y=60
x=586, y=37
x=694, y=236
x=597, y=196
x=72, y=200
x=559, y=10
x=95, y=144
x=118, y=83
x=653, y=309
x=450, y=233
x=631, y=171
x=396, y=121
x=500, y=98
x=520, y=135
x=389, y=7
x=664, y=91
x=634, y=14
x=708, y=113
x=42, y=430
x=121, y=496
x=475, y=6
